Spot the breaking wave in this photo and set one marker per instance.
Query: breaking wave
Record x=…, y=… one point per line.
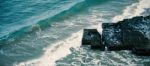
x=136, y=9
x=55, y=51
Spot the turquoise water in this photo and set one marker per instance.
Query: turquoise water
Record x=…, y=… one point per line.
x=48, y=32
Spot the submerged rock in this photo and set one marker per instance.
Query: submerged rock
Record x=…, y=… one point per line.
x=129, y=34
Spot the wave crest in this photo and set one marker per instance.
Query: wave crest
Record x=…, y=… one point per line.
x=136, y=9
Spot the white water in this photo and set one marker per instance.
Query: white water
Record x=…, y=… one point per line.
x=62, y=49
x=136, y=9
x=55, y=51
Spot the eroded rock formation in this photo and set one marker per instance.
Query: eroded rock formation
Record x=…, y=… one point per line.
x=129, y=34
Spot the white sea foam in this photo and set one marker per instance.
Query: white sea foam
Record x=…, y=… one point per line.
x=136, y=9
x=99, y=28
x=55, y=52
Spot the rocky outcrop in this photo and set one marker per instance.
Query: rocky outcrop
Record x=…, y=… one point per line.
x=93, y=38
x=112, y=36
x=136, y=32
x=129, y=34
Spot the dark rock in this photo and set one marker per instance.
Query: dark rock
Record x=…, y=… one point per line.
x=141, y=52
x=136, y=32
x=129, y=34
x=112, y=36
x=93, y=38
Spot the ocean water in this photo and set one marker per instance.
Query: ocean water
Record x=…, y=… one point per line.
x=49, y=32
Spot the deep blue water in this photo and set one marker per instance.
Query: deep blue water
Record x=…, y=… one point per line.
x=34, y=32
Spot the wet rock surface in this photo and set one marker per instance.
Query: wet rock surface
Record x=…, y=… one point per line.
x=136, y=32
x=93, y=38
x=112, y=36
x=129, y=34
